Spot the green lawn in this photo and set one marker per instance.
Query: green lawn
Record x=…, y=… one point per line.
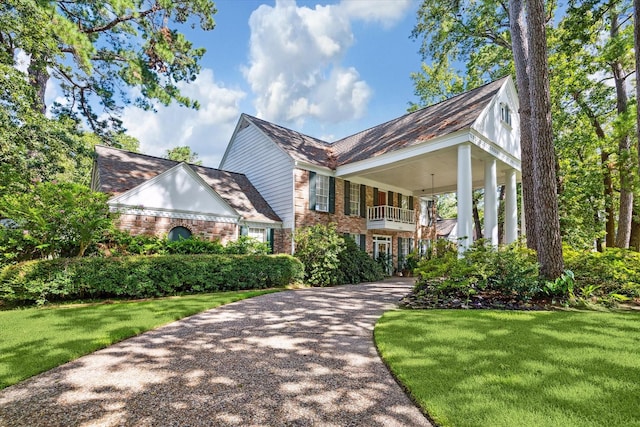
x=500, y=368
x=35, y=340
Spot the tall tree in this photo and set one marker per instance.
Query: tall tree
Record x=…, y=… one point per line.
x=97, y=51
x=519, y=37
x=183, y=154
x=549, y=241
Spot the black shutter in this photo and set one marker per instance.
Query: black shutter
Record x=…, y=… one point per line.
x=375, y=196
x=312, y=191
x=270, y=238
x=332, y=195
x=363, y=201
x=400, y=254
x=411, y=203
x=390, y=198
x=363, y=242
x=347, y=198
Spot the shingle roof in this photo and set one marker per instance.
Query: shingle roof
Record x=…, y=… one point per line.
x=299, y=146
x=451, y=115
x=119, y=171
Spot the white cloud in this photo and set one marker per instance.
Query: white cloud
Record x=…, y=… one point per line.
x=294, y=68
x=386, y=12
x=207, y=131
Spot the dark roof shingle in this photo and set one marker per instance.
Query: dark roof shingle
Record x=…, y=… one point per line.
x=119, y=171
x=451, y=115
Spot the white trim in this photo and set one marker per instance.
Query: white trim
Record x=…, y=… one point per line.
x=494, y=150
x=116, y=200
x=322, y=170
x=257, y=224
x=404, y=154
x=132, y=210
x=237, y=129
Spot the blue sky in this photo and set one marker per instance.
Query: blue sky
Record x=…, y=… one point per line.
x=325, y=68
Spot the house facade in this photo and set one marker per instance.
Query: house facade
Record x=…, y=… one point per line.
x=377, y=186
x=160, y=197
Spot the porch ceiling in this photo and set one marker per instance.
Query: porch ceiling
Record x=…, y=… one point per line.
x=414, y=173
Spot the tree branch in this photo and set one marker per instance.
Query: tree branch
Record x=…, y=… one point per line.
x=156, y=7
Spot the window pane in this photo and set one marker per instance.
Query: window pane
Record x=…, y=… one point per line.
x=354, y=199
x=322, y=193
x=257, y=233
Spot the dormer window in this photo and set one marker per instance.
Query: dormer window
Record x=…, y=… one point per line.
x=505, y=114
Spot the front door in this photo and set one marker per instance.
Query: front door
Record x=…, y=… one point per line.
x=382, y=252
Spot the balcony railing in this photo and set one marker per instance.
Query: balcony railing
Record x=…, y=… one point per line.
x=391, y=218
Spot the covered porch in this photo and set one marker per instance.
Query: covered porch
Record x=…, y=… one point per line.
x=461, y=162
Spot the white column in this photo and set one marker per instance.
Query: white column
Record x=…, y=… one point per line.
x=510, y=208
x=490, y=202
x=465, y=198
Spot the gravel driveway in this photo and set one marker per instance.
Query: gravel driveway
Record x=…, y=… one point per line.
x=294, y=358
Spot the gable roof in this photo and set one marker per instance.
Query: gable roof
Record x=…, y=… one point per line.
x=451, y=115
x=297, y=145
x=179, y=188
x=118, y=171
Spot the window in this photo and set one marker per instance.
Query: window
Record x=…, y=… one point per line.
x=322, y=193
x=354, y=199
x=257, y=233
x=404, y=202
x=505, y=114
x=178, y=233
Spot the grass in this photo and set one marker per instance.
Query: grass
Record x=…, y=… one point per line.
x=500, y=368
x=34, y=340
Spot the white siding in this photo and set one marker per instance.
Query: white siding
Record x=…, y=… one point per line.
x=489, y=123
x=176, y=190
x=268, y=168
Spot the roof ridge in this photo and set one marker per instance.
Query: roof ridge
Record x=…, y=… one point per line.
x=465, y=93
x=289, y=129
x=165, y=159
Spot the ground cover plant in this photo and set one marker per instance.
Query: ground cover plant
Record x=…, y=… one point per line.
x=516, y=368
x=508, y=278
x=34, y=340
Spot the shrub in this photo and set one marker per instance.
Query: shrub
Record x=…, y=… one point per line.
x=246, y=245
x=614, y=271
x=61, y=219
x=510, y=270
x=318, y=247
x=143, y=276
x=356, y=265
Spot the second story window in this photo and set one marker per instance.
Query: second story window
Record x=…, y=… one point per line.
x=505, y=114
x=322, y=193
x=354, y=199
x=404, y=202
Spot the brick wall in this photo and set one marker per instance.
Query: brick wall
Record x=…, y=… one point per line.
x=160, y=226
x=345, y=223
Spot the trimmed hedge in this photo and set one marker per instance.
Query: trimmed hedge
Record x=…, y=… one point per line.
x=143, y=276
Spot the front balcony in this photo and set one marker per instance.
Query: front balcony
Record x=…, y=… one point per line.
x=390, y=218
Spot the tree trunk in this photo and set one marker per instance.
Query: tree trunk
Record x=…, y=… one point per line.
x=476, y=216
x=549, y=242
x=607, y=168
x=625, y=167
x=501, y=197
x=520, y=49
x=634, y=241
x=38, y=78
x=636, y=42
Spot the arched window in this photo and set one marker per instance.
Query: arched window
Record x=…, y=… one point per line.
x=178, y=233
